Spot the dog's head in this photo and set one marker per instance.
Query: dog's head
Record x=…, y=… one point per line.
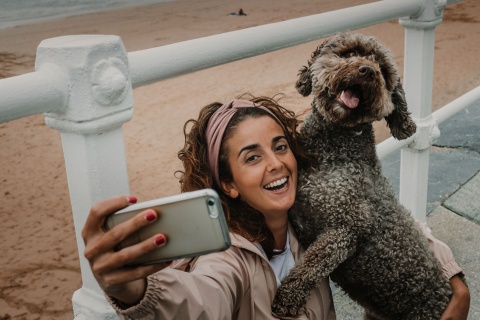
x=354, y=80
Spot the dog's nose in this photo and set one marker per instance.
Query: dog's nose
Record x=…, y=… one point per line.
x=367, y=72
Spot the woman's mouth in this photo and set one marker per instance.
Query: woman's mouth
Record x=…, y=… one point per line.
x=277, y=184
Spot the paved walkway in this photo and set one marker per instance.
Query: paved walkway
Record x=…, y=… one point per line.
x=453, y=202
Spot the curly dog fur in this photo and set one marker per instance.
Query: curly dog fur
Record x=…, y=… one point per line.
x=346, y=213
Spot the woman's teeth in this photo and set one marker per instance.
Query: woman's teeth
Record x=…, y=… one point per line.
x=276, y=183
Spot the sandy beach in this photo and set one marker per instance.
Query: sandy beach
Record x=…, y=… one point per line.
x=39, y=261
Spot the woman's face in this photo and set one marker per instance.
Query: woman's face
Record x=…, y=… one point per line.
x=263, y=167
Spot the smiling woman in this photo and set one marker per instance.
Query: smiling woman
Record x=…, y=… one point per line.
x=249, y=143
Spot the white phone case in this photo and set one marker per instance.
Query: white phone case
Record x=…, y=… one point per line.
x=193, y=222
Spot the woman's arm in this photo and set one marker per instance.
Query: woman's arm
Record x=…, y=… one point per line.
x=212, y=290
x=460, y=302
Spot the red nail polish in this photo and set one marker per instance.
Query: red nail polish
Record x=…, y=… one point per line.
x=150, y=216
x=131, y=199
x=160, y=240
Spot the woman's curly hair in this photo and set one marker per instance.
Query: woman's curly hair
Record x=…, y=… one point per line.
x=241, y=218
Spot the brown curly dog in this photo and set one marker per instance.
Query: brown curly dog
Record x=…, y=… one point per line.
x=346, y=213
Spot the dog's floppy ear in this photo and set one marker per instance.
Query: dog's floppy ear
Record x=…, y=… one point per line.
x=399, y=121
x=304, y=82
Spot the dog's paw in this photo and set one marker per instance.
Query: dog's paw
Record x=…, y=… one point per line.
x=285, y=305
x=283, y=311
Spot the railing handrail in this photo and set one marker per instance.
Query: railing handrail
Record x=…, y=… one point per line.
x=47, y=92
x=160, y=63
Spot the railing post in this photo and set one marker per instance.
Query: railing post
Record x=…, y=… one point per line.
x=418, y=78
x=100, y=101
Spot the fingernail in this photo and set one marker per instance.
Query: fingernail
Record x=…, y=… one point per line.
x=150, y=216
x=160, y=240
x=131, y=199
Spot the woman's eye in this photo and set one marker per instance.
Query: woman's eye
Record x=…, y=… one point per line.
x=251, y=158
x=281, y=147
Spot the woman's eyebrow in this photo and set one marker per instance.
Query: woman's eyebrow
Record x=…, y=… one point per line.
x=256, y=145
x=277, y=138
x=248, y=148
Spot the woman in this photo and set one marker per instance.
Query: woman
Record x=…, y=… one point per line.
x=251, y=161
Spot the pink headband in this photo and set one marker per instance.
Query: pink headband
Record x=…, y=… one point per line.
x=216, y=128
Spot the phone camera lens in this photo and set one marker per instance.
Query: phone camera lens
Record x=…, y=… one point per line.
x=212, y=209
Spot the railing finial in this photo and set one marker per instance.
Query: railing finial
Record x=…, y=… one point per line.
x=97, y=70
x=429, y=17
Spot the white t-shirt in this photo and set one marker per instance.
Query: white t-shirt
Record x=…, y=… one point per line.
x=281, y=263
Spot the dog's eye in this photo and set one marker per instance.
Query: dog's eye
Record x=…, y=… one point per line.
x=350, y=54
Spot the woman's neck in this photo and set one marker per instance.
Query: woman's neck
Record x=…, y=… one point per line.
x=278, y=225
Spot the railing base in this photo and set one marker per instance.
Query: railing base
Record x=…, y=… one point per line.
x=88, y=305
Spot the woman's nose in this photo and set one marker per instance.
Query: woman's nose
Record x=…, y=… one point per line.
x=274, y=163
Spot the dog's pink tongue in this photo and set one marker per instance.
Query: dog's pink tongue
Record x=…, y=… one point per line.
x=349, y=99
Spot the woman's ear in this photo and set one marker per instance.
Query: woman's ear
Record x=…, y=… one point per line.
x=229, y=190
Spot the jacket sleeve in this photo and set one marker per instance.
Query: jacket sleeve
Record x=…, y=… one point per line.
x=442, y=252
x=209, y=291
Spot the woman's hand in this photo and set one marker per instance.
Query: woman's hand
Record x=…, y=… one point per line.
x=457, y=308
x=126, y=284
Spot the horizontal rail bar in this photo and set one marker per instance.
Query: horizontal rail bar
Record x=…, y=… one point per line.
x=469, y=99
x=32, y=93
x=155, y=64
x=391, y=145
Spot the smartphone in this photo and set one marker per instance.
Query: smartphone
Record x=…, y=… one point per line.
x=193, y=222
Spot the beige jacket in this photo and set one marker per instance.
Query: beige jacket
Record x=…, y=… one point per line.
x=235, y=284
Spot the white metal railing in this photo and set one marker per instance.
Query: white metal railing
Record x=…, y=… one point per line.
x=469, y=99
x=84, y=86
x=160, y=63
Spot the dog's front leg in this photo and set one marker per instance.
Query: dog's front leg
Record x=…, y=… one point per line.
x=322, y=257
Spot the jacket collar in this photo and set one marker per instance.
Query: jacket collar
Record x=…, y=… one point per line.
x=240, y=242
